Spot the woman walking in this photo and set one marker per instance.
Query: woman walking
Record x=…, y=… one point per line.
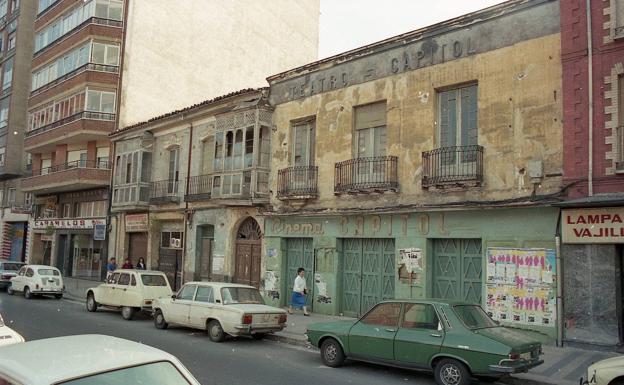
x=298, y=299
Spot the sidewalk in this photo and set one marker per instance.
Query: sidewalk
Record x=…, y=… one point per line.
x=76, y=288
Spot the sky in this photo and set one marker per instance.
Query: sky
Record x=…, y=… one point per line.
x=348, y=24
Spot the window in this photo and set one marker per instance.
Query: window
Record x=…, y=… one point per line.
x=218, y=154
x=14, y=5
x=7, y=74
x=265, y=150
x=57, y=110
x=61, y=66
x=43, y=5
x=174, y=170
x=458, y=117
x=207, y=148
x=108, y=9
x=4, y=112
x=105, y=54
x=303, y=144
x=618, y=26
x=473, y=316
x=30, y=272
x=64, y=24
x=187, y=292
x=66, y=210
x=133, y=281
x=11, y=41
x=384, y=314
x=370, y=130
x=171, y=239
x=204, y=294
x=124, y=279
x=620, y=129
x=3, y=7
x=102, y=154
x=1, y=198
x=419, y=316
x=11, y=196
x=101, y=101
x=28, y=199
x=2, y=155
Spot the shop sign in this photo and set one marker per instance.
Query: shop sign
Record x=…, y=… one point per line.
x=99, y=232
x=604, y=225
x=47, y=238
x=136, y=223
x=43, y=224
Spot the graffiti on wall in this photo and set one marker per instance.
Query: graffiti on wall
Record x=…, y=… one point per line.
x=521, y=286
x=321, y=289
x=270, y=283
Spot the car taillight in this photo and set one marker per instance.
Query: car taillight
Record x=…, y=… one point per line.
x=247, y=319
x=282, y=318
x=514, y=356
x=6, y=276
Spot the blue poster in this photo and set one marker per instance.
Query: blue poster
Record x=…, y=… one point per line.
x=17, y=241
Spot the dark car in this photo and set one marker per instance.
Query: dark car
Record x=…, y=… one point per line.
x=455, y=340
x=8, y=270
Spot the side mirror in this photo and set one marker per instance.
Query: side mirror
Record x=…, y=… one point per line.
x=173, y=297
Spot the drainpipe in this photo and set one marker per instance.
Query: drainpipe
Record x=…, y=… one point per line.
x=559, y=277
x=590, y=91
x=186, y=205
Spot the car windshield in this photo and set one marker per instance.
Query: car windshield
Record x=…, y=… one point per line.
x=158, y=373
x=48, y=272
x=232, y=295
x=11, y=266
x=474, y=317
x=153, y=280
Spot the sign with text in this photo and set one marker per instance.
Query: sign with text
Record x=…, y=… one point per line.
x=603, y=225
x=136, y=223
x=42, y=224
x=99, y=232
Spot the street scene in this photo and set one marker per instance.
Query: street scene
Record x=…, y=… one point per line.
x=311, y=191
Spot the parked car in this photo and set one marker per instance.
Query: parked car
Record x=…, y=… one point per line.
x=8, y=336
x=37, y=280
x=130, y=291
x=455, y=340
x=605, y=372
x=8, y=270
x=221, y=309
x=90, y=359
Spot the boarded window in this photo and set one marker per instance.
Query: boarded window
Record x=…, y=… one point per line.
x=370, y=126
x=303, y=143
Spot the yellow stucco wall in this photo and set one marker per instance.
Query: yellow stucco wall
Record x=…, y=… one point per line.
x=519, y=119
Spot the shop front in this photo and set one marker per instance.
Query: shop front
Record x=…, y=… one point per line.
x=490, y=257
x=593, y=278
x=136, y=227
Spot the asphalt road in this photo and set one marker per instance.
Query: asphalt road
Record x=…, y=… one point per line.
x=236, y=361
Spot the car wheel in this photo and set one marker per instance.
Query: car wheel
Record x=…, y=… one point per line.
x=215, y=331
x=451, y=372
x=91, y=304
x=258, y=336
x=332, y=353
x=159, y=320
x=127, y=312
x=10, y=290
x=27, y=293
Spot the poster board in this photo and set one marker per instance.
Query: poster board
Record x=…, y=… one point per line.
x=521, y=286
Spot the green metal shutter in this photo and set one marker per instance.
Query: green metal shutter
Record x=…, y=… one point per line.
x=457, y=269
x=300, y=253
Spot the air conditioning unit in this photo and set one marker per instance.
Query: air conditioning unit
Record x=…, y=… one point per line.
x=176, y=242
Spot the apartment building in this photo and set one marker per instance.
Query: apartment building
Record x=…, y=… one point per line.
x=16, y=44
x=102, y=64
x=425, y=165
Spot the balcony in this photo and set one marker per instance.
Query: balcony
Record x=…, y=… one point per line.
x=70, y=176
x=299, y=182
x=458, y=166
x=21, y=208
x=131, y=196
x=165, y=191
x=78, y=128
x=199, y=188
x=366, y=175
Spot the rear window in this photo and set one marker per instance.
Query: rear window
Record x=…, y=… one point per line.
x=11, y=266
x=48, y=272
x=153, y=280
x=233, y=295
x=474, y=317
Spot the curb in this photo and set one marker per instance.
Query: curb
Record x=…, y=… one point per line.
x=288, y=340
x=523, y=381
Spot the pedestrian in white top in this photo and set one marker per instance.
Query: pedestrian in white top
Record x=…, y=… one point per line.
x=300, y=291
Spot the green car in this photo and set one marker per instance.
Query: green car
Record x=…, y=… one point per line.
x=455, y=340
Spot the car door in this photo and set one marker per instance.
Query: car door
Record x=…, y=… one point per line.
x=17, y=281
x=373, y=335
x=28, y=279
x=420, y=335
x=180, y=306
x=202, y=306
x=105, y=291
x=120, y=290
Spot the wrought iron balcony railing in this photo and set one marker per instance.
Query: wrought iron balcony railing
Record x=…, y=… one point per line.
x=297, y=181
x=83, y=68
x=97, y=164
x=460, y=166
x=366, y=175
x=199, y=187
x=165, y=191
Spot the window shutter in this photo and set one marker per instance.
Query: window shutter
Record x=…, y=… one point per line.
x=469, y=113
x=448, y=118
x=371, y=115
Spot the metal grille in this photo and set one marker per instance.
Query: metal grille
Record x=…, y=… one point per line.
x=366, y=174
x=165, y=189
x=81, y=115
x=457, y=165
x=199, y=185
x=266, y=117
x=297, y=181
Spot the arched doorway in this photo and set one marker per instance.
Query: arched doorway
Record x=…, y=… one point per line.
x=248, y=253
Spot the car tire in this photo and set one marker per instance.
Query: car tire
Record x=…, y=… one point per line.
x=332, y=354
x=215, y=331
x=127, y=312
x=27, y=293
x=10, y=290
x=58, y=296
x=451, y=372
x=159, y=320
x=258, y=336
x=92, y=305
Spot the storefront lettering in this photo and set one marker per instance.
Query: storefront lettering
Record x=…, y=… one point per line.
x=68, y=223
x=372, y=225
x=600, y=232
x=297, y=228
x=604, y=225
x=594, y=219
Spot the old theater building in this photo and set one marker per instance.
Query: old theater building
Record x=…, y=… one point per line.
x=423, y=165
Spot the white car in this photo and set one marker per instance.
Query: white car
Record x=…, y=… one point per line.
x=605, y=372
x=90, y=359
x=37, y=280
x=129, y=290
x=221, y=309
x=9, y=336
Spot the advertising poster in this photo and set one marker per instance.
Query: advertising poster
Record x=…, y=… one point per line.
x=521, y=286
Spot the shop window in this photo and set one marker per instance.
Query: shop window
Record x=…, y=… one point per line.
x=171, y=239
x=384, y=314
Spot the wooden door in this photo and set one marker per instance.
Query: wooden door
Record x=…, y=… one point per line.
x=137, y=247
x=248, y=253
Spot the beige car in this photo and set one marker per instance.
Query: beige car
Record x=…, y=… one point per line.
x=605, y=372
x=221, y=309
x=130, y=291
